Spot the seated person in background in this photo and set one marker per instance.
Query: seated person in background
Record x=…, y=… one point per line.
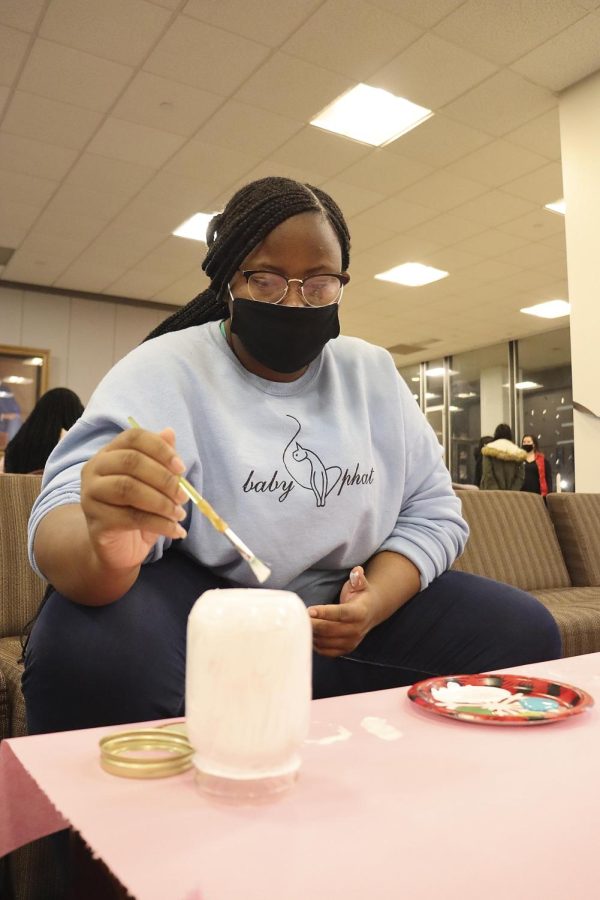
x=50, y=419
x=309, y=444
x=538, y=474
x=503, y=462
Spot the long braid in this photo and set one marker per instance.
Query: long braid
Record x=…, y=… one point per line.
x=250, y=215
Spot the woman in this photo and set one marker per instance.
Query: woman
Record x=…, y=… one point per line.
x=502, y=468
x=309, y=445
x=52, y=416
x=538, y=474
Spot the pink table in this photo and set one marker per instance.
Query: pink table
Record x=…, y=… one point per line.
x=446, y=809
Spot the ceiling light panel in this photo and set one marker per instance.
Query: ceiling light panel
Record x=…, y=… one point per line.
x=371, y=115
x=552, y=309
x=412, y=274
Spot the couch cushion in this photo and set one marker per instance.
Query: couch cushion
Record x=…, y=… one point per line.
x=577, y=613
x=10, y=652
x=576, y=519
x=4, y=708
x=21, y=590
x=512, y=540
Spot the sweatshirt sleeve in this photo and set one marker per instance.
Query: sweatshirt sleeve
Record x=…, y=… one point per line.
x=430, y=530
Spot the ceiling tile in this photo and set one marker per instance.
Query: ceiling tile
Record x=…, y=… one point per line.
x=28, y=189
x=15, y=222
x=394, y=214
x=505, y=31
x=542, y=135
x=111, y=29
x=169, y=189
x=259, y=131
x=183, y=289
x=423, y=14
x=556, y=241
x=165, y=105
x=497, y=163
x=111, y=176
x=446, y=229
x=4, y=95
x=20, y=14
x=542, y=186
x=174, y=255
x=210, y=166
x=398, y=249
x=501, y=104
x=493, y=208
x=61, y=124
x=451, y=260
x=531, y=256
x=134, y=143
x=442, y=190
x=44, y=245
x=13, y=46
x=71, y=76
x=75, y=201
x=566, y=58
x=432, y=72
x=205, y=57
x=384, y=172
x=19, y=154
x=135, y=283
x=320, y=151
x=95, y=276
x=334, y=36
x=367, y=234
x=350, y=198
x=32, y=269
x=535, y=225
x=74, y=226
x=123, y=246
x=438, y=141
x=491, y=243
x=268, y=22
x=287, y=85
x=143, y=213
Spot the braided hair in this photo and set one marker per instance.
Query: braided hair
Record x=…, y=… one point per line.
x=250, y=215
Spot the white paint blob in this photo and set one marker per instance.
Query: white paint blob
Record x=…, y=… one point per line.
x=342, y=734
x=380, y=728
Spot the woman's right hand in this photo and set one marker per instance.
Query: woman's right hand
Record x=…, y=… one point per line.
x=130, y=495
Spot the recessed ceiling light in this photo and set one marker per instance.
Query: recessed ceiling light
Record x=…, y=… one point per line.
x=467, y=396
x=33, y=361
x=552, y=309
x=438, y=408
x=412, y=274
x=438, y=371
x=195, y=227
x=559, y=206
x=17, y=379
x=371, y=115
x=527, y=385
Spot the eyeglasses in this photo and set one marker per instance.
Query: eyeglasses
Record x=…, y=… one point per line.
x=317, y=290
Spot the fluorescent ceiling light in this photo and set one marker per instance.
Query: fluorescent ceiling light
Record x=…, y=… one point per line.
x=552, y=309
x=438, y=408
x=559, y=206
x=467, y=396
x=195, y=227
x=527, y=385
x=430, y=396
x=371, y=115
x=33, y=361
x=412, y=274
x=415, y=378
x=439, y=371
x=17, y=379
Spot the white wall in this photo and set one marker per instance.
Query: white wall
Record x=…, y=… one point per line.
x=84, y=337
x=580, y=142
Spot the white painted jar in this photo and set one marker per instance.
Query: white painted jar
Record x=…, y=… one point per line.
x=248, y=690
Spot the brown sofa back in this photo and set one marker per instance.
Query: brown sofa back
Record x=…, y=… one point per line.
x=21, y=591
x=576, y=519
x=512, y=540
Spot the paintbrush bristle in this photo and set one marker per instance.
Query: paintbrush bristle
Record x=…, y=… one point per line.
x=261, y=570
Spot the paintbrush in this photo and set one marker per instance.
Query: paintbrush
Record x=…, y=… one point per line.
x=259, y=568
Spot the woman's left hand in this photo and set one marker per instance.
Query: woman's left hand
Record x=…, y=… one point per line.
x=338, y=628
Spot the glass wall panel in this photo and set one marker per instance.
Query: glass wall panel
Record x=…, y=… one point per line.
x=545, y=400
x=479, y=400
x=411, y=375
x=434, y=396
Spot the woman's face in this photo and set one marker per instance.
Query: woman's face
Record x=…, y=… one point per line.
x=301, y=246
x=528, y=443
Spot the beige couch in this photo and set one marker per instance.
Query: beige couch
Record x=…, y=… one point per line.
x=551, y=551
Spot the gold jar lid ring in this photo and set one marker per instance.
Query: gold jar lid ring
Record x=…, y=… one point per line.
x=145, y=753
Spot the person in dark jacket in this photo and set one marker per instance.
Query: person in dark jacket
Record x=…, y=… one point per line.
x=50, y=419
x=503, y=462
x=483, y=440
x=538, y=474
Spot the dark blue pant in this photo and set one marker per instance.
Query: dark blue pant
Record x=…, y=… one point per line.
x=91, y=666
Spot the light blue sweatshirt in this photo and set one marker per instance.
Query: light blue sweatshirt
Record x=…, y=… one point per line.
x=315, y=475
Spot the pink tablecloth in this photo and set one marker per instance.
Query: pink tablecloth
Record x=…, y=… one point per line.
x=443, y=809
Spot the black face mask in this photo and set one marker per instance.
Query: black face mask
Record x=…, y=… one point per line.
x=283, y=338
x=527, y=447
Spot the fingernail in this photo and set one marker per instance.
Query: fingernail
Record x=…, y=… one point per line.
x=312, y=612
x=180, y=513
x=177, y=465
x=181, y=532
x=354, y=578
x=181, y=496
